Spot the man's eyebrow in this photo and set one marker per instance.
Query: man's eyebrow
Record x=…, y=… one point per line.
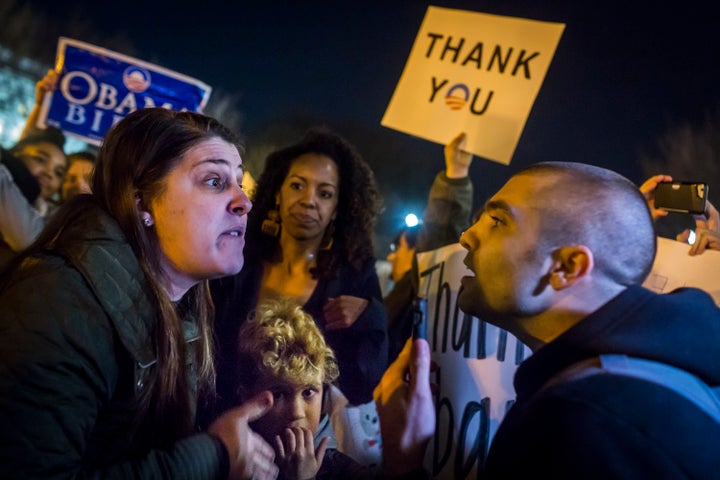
x=498, y=205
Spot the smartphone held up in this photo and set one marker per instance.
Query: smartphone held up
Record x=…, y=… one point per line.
x=682, y=197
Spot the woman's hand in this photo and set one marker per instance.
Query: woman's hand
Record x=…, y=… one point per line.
x=343, y=311
x=250, y=456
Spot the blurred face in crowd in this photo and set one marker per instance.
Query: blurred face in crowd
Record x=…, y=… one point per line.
x=200, y=217
x=47, y=163
x=77, y=178
x=505, y=255
x=294, y=406
x=401, y=258
x=308, y=197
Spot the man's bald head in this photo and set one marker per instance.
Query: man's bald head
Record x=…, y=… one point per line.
x=586, y=205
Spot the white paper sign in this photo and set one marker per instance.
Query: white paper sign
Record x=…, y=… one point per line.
x=477, y=362
x=674, y=268
x=476, y=73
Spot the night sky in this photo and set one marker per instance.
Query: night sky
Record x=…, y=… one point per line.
x=623, y=74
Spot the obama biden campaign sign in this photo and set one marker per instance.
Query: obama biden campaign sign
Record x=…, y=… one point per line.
x=98, y=87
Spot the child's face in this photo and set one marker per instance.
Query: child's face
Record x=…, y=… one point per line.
x=294, y=406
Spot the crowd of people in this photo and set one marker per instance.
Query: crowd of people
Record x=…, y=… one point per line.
x=156, y=322
x=36, y=175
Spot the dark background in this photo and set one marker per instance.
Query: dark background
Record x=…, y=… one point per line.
x=623, y=74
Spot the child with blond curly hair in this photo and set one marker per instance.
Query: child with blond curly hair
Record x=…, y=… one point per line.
x=283, y=351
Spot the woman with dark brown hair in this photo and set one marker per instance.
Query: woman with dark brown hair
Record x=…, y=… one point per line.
x=106, y=334
x=310, y=239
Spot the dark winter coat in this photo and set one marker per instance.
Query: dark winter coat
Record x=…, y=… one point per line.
x=611, y=426
x=76, y=330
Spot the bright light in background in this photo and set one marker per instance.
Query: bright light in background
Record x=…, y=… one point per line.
x=411, y=220
x=16, y=100
x=691, y=237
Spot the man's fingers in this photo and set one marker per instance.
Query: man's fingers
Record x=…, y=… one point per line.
x=394, y=375
x=419, y=364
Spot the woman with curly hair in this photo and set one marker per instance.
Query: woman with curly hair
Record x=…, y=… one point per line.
x=283, y=351
x=310, y=240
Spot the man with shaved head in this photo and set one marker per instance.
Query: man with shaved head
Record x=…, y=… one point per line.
x=558, y=256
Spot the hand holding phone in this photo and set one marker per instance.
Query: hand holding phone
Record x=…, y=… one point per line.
x=682, y=197
x=419, y=327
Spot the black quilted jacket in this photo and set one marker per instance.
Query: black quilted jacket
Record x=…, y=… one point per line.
x=75, y=347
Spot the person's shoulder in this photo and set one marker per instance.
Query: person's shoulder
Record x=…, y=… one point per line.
x=691, y=296
x=684, y=302
x=48, y=299
x=603, y=416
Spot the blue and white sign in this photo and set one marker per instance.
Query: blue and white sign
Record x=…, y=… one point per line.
x=98, y=87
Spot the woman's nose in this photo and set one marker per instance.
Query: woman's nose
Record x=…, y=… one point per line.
x=241, y=204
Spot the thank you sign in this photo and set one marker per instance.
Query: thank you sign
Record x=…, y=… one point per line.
x=98, y=87
x=476, y=362
x=476, y=73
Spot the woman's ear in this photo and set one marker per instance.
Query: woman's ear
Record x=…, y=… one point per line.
x=570, y=264
x=145, y=216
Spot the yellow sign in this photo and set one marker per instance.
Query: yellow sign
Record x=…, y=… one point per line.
x=476, y=73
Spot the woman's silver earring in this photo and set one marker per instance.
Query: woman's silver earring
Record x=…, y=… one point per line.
x=147, y=221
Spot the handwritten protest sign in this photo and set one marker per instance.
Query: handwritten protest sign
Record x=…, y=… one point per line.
x=674, y=268
x=98, y=87
x=476, y=73
x=476, y=362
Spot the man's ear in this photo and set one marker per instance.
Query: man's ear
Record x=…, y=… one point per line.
x=570, y=264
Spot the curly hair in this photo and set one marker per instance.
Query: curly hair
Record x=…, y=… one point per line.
x=280, y=341
x=359, y=201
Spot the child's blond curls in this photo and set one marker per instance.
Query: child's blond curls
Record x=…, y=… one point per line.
x=280, y=341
